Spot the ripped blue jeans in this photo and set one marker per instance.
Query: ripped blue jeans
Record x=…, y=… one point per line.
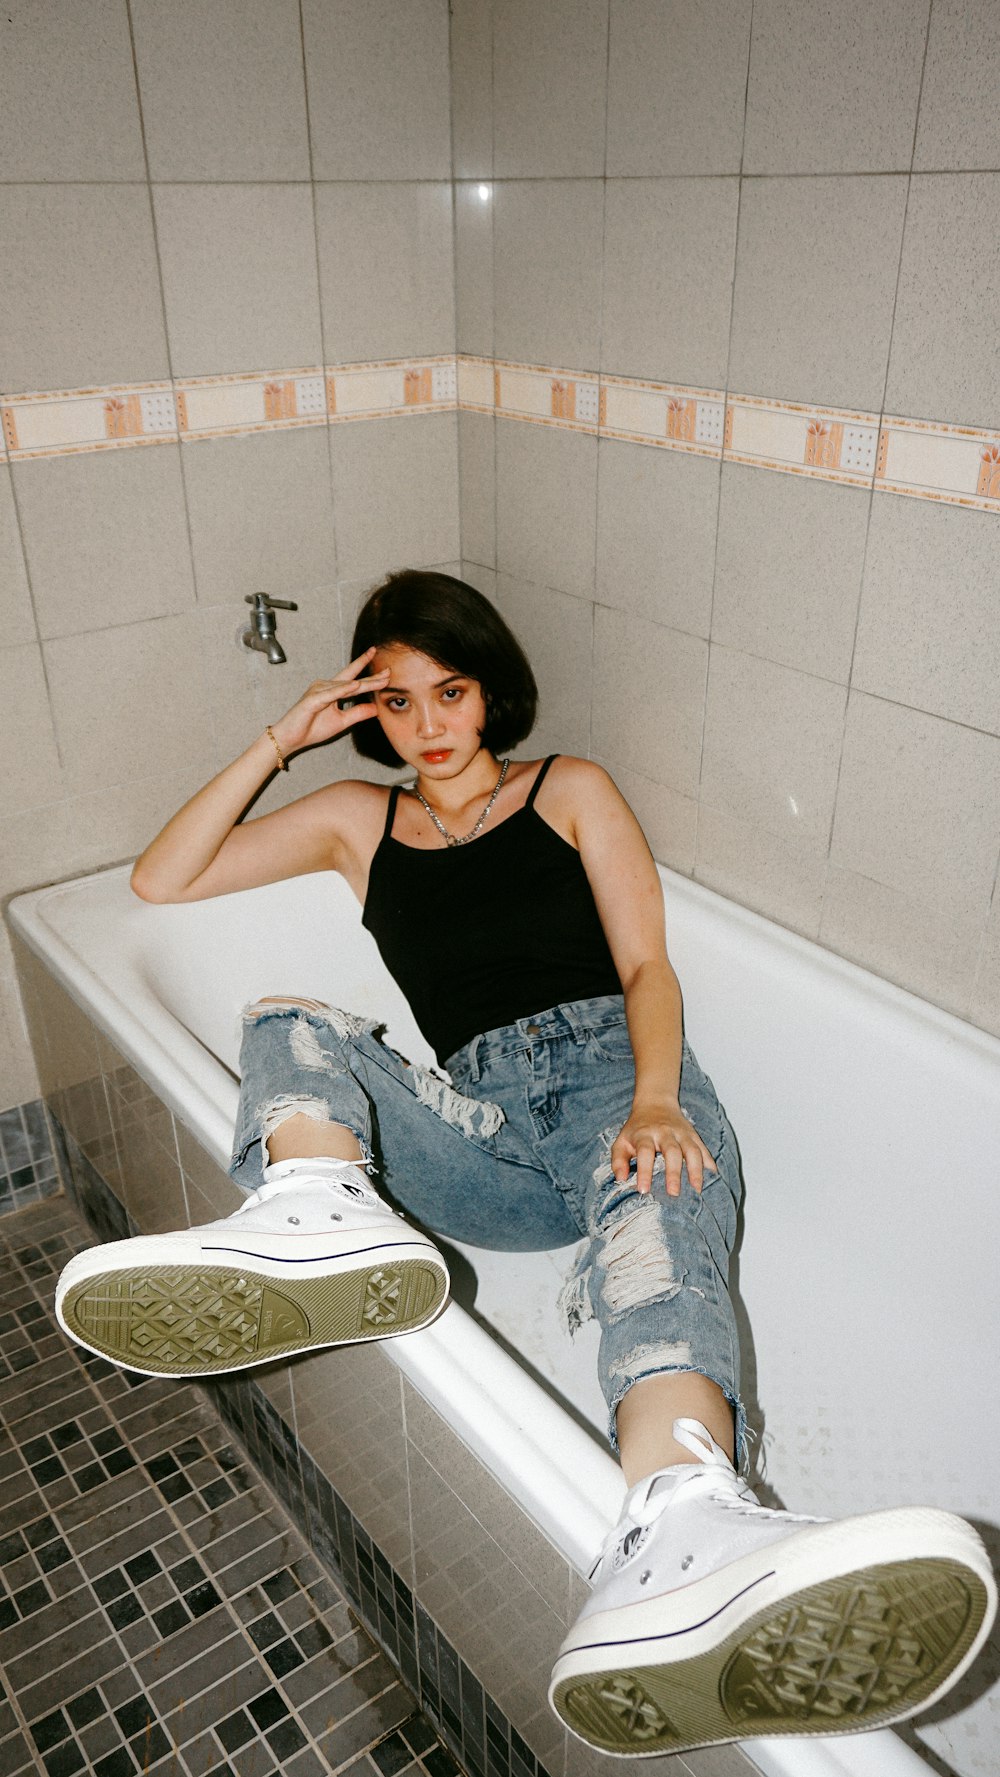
x=514, y=1155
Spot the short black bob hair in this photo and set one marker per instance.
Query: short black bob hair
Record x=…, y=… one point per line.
x=452, y=623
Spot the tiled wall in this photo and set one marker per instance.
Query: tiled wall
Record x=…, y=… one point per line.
x=721, y=435
x=787, y=212
x=195, y=202
x=469, y=1598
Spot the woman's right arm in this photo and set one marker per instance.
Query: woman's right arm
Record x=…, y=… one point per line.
x=202, y=851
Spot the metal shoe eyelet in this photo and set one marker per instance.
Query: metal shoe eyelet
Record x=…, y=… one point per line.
x=334, y=1217
x=685, y=1564
x=644, y=1577
x=294, y=1221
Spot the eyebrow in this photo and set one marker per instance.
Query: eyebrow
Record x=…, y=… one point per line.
x=439, y=684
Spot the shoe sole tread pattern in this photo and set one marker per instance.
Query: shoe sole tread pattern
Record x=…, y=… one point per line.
x=197, y=1319
x=848, y=1654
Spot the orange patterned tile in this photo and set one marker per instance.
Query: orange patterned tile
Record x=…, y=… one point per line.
x=279, y=400
x=989, y=474
x=823, y=444
x=418, y=386
x=123, y=416
x=681, y=419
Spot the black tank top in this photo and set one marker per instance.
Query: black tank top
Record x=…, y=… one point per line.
x=478, y=935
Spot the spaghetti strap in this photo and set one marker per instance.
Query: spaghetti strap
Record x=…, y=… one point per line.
x=536, y=786
x=391, y=811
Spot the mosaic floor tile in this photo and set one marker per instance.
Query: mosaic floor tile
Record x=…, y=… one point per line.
x=159, y=1613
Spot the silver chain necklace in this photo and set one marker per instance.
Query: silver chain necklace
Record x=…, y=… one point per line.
x=453, y=838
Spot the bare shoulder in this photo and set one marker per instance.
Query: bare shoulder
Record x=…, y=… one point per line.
x=580, y=774
x=351, y=807
x=579, y=795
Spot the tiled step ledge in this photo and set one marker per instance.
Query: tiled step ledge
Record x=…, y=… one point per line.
x=467, y=1718
x=923, y=458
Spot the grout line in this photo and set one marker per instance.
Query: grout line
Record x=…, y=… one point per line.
x=322, y=329
x=828, y=854
x=727, y=391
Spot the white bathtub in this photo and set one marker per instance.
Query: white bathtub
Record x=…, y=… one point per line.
x=869, y=1125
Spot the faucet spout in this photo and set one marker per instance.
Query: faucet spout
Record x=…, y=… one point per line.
x=260, y=634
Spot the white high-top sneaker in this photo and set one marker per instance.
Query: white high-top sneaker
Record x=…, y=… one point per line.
x=314, y=1257
x=715, y=1619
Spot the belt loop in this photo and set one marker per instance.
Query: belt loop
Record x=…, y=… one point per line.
x=475, y=1071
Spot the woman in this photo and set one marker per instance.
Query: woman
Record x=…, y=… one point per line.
x=518, y=906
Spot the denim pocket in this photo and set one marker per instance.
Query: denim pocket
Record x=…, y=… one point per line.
x=610, y=1043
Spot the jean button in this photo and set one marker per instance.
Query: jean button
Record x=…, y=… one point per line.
x=533, y=1030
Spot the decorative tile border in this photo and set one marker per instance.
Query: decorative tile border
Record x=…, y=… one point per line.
x=827, y=443
x=925, y=459
x=566, y=398
x=670, y=416
x=957, y=464
x=64, y=421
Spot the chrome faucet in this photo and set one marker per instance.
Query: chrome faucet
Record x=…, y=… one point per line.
x=260, y=633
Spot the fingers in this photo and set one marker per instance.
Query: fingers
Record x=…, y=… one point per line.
x=677, y=1152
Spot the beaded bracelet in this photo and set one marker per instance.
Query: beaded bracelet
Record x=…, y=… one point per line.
x=282, y=762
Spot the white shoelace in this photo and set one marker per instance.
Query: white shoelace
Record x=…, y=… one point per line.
x=714, y=1476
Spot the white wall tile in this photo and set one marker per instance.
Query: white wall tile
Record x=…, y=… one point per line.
x=547, y=247
x=474, y=268
x=68, y=104
x=477, y=487
x=131, y=702
x=472, y=88
x=959, y=122
x=833, y=89
x=395, y=494
x=928, y=633
x=788, y=572
x=223, y=89
x=107, y=824
x=772, y=747
x=239, y=277
x=27, y=735
x=648, y=699
x=549, y=79
x=669, y=252
x=777, y=874
x=79, y=290
x=676, y=86
x=546, y=505
x=656, y=523
x=378, y=89
x=900, y=935
x=261, y=513
x=815, y=283
x=17, y=619
x=944, y=363
x=386, y=270
x=556, y=632
x=918, y=807
x=105, y=537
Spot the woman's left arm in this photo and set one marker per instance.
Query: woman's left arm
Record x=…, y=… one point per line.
x=629, y=897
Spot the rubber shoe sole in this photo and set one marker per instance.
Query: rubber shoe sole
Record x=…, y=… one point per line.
x=198, y=1319
x=861, y=1650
